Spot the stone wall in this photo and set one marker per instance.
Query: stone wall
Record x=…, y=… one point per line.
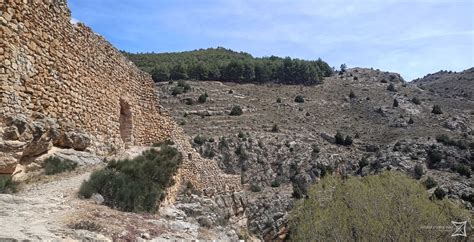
x=67, y=72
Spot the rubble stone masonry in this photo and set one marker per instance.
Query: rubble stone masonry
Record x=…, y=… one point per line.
x=67, y=72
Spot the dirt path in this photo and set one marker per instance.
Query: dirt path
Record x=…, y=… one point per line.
x=37, y=212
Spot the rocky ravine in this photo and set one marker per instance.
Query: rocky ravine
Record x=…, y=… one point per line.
x=279, y=147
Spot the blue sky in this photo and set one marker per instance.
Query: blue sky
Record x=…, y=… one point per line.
x=411, y=37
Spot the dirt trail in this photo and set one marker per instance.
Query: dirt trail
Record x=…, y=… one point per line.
x=37, y=212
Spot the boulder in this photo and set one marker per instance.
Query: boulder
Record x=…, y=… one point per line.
x=73, y=140
x=11, y=133
x=37, y=147
x=19, y=121
x=7, y=164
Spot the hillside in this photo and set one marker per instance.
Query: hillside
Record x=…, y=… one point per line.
x=449, y=84
x=227, y=65
x=279, y=147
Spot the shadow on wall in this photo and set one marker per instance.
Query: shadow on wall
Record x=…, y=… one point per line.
x=126, y=123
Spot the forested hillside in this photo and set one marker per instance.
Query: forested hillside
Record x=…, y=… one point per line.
x=226, y=65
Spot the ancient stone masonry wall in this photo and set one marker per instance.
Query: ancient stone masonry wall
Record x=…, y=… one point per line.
x=67, y=72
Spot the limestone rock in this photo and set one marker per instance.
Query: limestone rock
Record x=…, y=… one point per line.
x=11, y=133
x=97, y=198
x=75, y=140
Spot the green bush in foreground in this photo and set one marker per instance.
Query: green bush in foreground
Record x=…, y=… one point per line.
x=236, y=111
x=385, y=207
x=7, y=185
x=55, y=165
x=135, y=185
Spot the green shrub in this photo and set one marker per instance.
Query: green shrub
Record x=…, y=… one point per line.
x=299, y=99
x=363, y=163
x=7, y=185
x=437, y=110
x=463, y=170
x=391, y=88
x=395, y=103
x=430, y=183
x=186, y=87
x=189, y=101
x=255, y=188
x=176, y=91
x=439, y=193
x=203, y=98
x=166, y=142
x=418, y=171
x=199, y=140
x=136, y=185
x=352, y=94
x=236, y=111
x=55, y=165
x=276, y=183
x=385, y=207
x=348, y=141
x=275, y=129
x=416, y=101
x=446, y=140
x=434, y=157
x=315, y=148
x=339, y=137
x=340, y=140
x=278, y=100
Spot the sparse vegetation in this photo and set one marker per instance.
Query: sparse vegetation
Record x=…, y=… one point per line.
x=135, y=185
x=299, y=99
x=55, y=165
x=416, y=101
x=419, y=171
x=446, y=140
x=463, y=170
x=347, y=210
x=7, y=185
x=236, y=111
x=275, y=129
x=203, y=98
x=391, y=88
x=278, y=100
x=199, y=140
x=352, y=95
x=255, y=188
x=340, y=140
x=430, y=183
x=395, y=103
x=436, y=110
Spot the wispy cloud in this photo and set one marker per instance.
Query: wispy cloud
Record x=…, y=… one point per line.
x=410, y=37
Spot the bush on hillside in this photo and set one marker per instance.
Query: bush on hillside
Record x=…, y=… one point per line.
x=236, y=111
x=430, y=183
x=416, y=101
x=7, y=185
x=437, y=110
x=388, y=206
x=203, y=98
x=391, y=88
x=395, y=103
x=186, y=87
x=299, y=99
x=55, y=165
x=135, y=185
x=275, y=129
x=199, y=140
x=352, y=94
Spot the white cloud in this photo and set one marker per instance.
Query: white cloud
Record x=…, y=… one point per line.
x=74, y=21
